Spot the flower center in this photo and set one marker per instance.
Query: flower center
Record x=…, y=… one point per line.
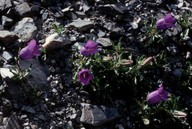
x=85, y=75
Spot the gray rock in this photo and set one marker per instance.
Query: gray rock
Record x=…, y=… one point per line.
x=25, y=29
x=112, y=9
x=2, y=127
x=6, y=73
x=1, y=118
x=23, y=116
x=8, y=37
x=82, y=25
x=42, y=117
x=104, y=42
x=101, y=34
x=7, y=56
x=97, y=115
x=5, y=120
x=36, y=76
x=28, y=109
x=113, y=27
x=5, y=4
x=189, y=43
x=6, y=21
x=55, y=41
x=1, y=27
x=45, y=15
x=13, y=123
x=23, y=9
x=134, y=25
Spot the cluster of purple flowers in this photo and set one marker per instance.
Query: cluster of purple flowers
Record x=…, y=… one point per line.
x=84, y=75
x=90, y=48
x=159, y=95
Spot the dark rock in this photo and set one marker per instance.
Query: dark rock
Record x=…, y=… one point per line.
x=177, y=72
x=13, y=123
x=14, y=85
x=112, y=9
x=97, y=115
x=8, y=37
x=189, y=43
x=28, y=109
x=1, y=118
x=36, y=76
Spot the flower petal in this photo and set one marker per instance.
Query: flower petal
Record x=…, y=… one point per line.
x=25, y=54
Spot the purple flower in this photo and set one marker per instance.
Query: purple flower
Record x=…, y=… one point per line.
x=167, y=22
x=85, y=76
x=89, y=48
x=158, y=95
x=31, y=50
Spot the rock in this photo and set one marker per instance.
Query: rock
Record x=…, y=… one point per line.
x=13, y=123
x=45, y=15
x=55, y=41
x=37, y=76
x=119, y=126
x=113, y=27
x=97, y=115
x=69, y=125
x=1, y=27
x=105, y=42
x=134, y=25
x=25, y=29
x=42, y=117
x=7, y=56
x=112, y=9
x=173, y=50
x=5, y=120
x=28, y=109
x=101, y=34
x=6, y=21
x=189, y=43
x=23, y=9
x=5, y=4
x=14, y=85
x=180, y=3
x=6, y=73
x=59, y=14
x=1, y=118
x=177, y=72
x=84, y=5
x=82, y=25
x=7, y=37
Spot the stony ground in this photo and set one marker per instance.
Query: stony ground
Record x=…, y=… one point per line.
x=47, y=98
